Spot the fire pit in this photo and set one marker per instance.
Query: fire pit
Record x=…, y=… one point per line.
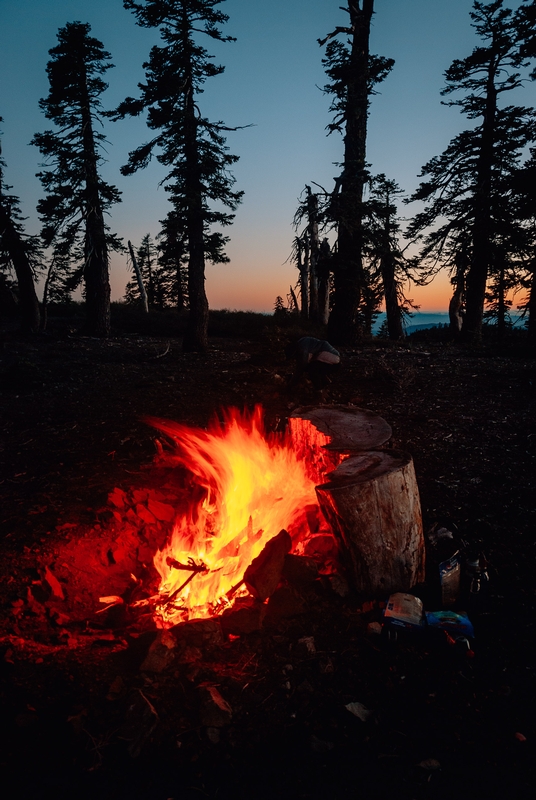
x=236, y=516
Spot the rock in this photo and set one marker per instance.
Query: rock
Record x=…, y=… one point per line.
x=199, y=633
x=285, y=602
x=264, y=573
x=140, y=722
x=161, y=653
x=374, y=629
x=162, y=511
x=215, y=711
x=299, y=570
x=245, y=616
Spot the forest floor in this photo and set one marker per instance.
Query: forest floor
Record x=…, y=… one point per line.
x=81, y=719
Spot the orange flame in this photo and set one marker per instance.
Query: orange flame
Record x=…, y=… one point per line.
x=247, y=485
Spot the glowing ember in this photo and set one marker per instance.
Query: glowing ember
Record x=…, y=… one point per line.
x=247, y=486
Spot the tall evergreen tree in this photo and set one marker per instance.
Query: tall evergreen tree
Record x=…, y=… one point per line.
x=523, y=207
x=173, y=260
x=353, y=72
x=76, y=196
x=192, y=147
x=19, y=253
x=382, y=237
x=466, y=183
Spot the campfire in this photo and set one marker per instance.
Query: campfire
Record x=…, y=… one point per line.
x=235, y=519
x=247, y=486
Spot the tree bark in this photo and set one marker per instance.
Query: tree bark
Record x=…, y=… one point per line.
x=141, y=287
x=392, y=309
x=96, y=268
x=348, y=272
x=303, y=268
x=314, y=248
x=531, y=306
x=501, y=301
x=323, y=269
x=456, y=301
x=481, y=256
x=14, y=244
x=372, y=504
x=196, y=334
x=321, y=436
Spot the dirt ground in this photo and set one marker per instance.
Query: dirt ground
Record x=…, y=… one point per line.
x=264, y=715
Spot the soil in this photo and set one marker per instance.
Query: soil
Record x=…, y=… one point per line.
x=281, y=711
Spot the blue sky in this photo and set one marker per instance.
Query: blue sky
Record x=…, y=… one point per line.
x=271, y=79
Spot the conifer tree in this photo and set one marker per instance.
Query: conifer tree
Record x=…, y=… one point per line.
x=77, y=197
x=382, y=247
x=192, y=147
x=466, y=184
x=353, y=72
x=173, y=260
x=19, y=253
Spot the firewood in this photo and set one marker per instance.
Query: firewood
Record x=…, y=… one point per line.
x=348, y=427
x=264, y=573
x=372, y=503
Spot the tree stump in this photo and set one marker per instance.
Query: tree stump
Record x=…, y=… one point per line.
x=322, y=436
x=372, y=503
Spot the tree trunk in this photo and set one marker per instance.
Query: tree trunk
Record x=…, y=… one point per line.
x=348, y=272
x=372, y=504
x=196, y=334
x=478, y=270
x=531, y=306
x=392, y=309
x=14, y=244
x=321, y=436
x=387, y=268
x=314, y=248
x=323, y=269
x=456, y=301
x=136, y=268
x=96, y=268
x=303, y=267
x=501, y=302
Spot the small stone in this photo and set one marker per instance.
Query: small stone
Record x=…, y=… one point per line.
x=245, y=616
x=264, y=573
x=285, y=602
x=215, y=710
x=199, y=633
x=299, y=570
x=374, y=628
x=161, y=653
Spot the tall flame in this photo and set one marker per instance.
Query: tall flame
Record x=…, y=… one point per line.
x=246, y=486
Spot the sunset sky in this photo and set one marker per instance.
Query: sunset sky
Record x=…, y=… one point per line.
x=271, y=79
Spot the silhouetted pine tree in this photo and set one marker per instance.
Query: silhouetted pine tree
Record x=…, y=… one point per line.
x=466, y=185
x=76, y=196
x=173, y=260
x=192, y=147
x=382, y=247
x=353, y=72
x=523, y=206
x=19, y=254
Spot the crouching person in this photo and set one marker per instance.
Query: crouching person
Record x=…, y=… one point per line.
x=315, y=358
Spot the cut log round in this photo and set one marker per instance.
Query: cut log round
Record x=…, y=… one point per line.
x=372, y=504
x=346, y=427
x=322, y=436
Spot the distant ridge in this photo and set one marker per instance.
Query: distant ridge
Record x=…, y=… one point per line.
x=417, y=322
x=420, y=321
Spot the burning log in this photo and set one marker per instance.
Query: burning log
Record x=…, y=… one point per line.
x=321, y=436
x=264, y=573
x=372, y=503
